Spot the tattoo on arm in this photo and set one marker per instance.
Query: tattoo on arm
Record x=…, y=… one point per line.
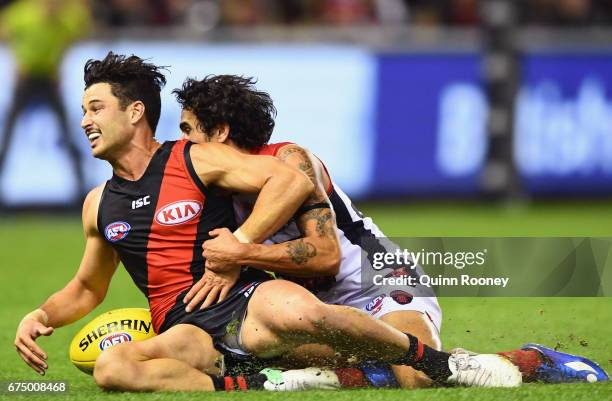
x=305, y=163
x=300, y=251
x=324, y=219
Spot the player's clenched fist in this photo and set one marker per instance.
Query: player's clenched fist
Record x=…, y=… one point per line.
x=32, y=326
x=222, y=251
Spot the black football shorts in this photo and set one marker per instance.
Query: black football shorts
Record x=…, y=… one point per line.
x=222, y=321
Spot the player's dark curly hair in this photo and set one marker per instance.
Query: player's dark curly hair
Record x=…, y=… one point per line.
x=232, y=100
x=131, y=79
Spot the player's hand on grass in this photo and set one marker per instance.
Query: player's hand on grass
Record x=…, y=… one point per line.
x=223, y=251
x=30, y=328
x=211, y=288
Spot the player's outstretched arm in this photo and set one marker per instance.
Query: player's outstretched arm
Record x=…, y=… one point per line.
x=317, y=253
x=81, y=295
x=281, y=189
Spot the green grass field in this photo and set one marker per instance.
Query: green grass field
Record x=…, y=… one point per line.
x=40, y=254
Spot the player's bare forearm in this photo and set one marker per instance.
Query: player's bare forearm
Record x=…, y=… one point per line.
x=281, y=189
x=277, y=202
x=299, y=258
x=88, y=287
x=317, y=254
x=69, y=304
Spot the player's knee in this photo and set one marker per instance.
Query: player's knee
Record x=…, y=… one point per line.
x=301, y=312
x=310, y=318
x=114, y=369
x=106, y=371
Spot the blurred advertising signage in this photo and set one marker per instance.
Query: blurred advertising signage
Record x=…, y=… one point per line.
x=430, y=124
x=323, y=94
x=563, y=131
x=431, y=118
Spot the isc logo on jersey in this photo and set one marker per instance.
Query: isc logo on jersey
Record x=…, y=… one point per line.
x=117, y=231
x=178, y=212
x=114, y=339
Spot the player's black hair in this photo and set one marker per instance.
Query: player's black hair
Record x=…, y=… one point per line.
x=130, y=79
x=232, y=100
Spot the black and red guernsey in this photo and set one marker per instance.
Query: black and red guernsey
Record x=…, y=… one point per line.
x=158, y=223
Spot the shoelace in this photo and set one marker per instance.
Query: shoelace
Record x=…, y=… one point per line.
x=466, y=366
x=294, y=384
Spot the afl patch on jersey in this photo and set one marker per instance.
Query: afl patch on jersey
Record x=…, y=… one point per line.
x=117, y=231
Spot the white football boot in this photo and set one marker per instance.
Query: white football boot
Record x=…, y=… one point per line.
x=483, y=370
x=300, y=379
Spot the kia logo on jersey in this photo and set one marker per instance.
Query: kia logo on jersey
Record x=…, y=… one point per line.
x=117, y=231
x=178, y=212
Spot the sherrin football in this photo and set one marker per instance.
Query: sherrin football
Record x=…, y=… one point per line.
x=106, y=330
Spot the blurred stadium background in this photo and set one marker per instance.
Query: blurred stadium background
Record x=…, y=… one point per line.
x=402, y=99
x=440, y=118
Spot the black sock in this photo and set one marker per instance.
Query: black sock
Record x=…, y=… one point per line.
x=239, y=383
x=426, y=359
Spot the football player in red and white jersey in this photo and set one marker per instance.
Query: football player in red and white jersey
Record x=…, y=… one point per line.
x=228, y=109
